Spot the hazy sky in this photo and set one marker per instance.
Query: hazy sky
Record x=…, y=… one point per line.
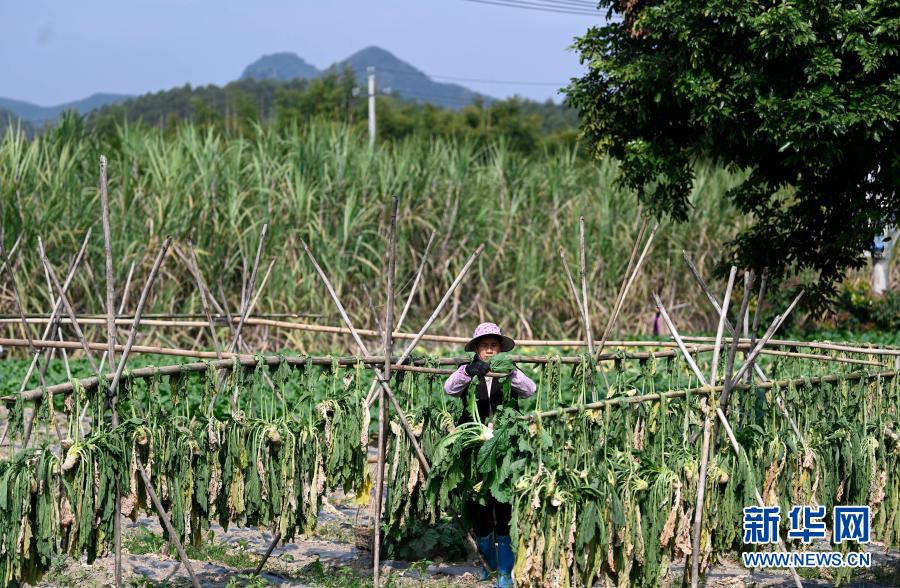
x=54, y=52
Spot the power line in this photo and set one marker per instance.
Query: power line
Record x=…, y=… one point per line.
x=464, y=79
x=535, y=6
x=507, y=82
x=585, y=4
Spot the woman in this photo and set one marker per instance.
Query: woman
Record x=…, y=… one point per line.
x=490, y=521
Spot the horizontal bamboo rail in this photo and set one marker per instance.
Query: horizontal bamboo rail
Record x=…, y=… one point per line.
x=525, y=359
x=272, y=360
x=259, y=321
x=704, y=390
x=9, y=318
x=813, y=345
x=243, y=359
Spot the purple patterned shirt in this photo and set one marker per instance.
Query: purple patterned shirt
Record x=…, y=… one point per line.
x=459, y=380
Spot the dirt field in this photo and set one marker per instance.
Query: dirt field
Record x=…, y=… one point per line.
x=331, y=559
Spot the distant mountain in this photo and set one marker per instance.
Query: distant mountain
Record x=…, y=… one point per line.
x=281, y=67
x=392, y=75
x=35, y=114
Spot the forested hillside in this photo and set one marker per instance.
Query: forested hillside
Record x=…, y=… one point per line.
x=241, y=107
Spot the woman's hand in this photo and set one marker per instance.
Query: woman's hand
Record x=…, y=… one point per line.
x=476, y=367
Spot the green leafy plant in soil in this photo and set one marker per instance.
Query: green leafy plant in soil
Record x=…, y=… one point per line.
x=603, y=495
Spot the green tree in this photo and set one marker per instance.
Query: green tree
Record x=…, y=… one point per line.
x=802, y=95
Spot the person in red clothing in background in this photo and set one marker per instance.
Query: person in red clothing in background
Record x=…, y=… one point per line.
x=491, y=521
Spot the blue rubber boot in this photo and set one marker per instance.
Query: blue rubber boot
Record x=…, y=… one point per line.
x=488, y=551
x=506, y=559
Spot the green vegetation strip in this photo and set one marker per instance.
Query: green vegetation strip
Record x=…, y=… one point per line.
x=597, y=495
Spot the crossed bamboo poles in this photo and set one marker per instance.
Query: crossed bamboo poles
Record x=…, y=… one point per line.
x=381, y=383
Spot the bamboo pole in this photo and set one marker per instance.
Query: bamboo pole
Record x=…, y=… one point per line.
x=111, y=340
x=409, y=299
x=420, y=455
x=631, y=279
x=137, y=315
x=25, y=331
x=265, y=556
x=589, y=333
x=274, y=360
x=631, y=259
x=262, y=286
x=721, y=416
x=582, y=265
x=245, y=298
x=382, y=407
x=732, y=352
x=579, y=306
x=122, y=305
x=707, y=431
x=246, y=302
x=148, y=484
x=51, y=324
x=110, y=287
x=49, y=356
x=702, y=390
x=779, y=400
x=757, y=312
x=278, y=324
x=12, y=251
x=67, y=305
x=779, y=320
x=195, y=270
x=437, y=310
x=418, y=278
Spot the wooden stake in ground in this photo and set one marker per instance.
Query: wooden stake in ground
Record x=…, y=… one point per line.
x=148, y=484
x=111, y=341
x=707, y=431
x=582, y=266
x=382, y=406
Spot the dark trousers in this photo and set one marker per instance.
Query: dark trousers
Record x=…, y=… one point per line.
x=485, y=519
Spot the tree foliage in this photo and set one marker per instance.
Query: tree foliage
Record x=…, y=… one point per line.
x=241, y=108
x=802, y=95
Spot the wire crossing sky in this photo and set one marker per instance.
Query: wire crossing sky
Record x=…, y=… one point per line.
x=55, y=52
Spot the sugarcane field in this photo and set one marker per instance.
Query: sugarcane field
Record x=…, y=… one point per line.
x=367, y=326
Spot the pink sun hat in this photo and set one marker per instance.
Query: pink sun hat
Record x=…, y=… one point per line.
x=484, y=329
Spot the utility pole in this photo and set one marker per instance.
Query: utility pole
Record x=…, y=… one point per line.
x=371, y=72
